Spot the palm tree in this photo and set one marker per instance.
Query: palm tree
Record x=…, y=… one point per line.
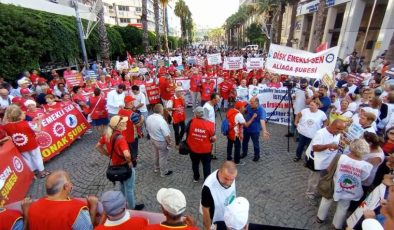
x=321, y=14
x=293, y=5
x=164, y=5
x=181, y=10
x=156, y=10
x=103, y=38
x=189, y=27
x=144, y=20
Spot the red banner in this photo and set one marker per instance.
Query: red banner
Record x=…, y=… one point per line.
x=73, y=79
x=60, y=128
x=15, y=175
x=153, y=94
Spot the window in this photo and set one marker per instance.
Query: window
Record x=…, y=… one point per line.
x=110, y=7
x=124, y=20
x=123, y=8
x=138, y=9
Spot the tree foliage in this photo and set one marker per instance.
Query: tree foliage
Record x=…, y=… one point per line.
x=254, y=34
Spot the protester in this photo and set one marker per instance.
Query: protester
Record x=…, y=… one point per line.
x=173, y=205
x=209, y=112
x=98, y=111
x=321, y=98
x=200, y=136
x=351, y=171
x=253, y=130
x=114, y=145
x=176, y=105
x=140, y=101
x=375, y=157
x=218, y=192
x=5, y=101
x=57, y=210
x=195, y=87
x=24, y=137
x=308, y=122
x=116, y=214
x=301, y=98
x=115, y=100
x=51, y=103
x=321, y=152
x=160, y=138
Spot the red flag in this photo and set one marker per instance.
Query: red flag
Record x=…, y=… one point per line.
x=322, y=47
x=130, y=59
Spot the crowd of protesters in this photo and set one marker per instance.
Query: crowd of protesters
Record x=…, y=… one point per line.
x=119, y=109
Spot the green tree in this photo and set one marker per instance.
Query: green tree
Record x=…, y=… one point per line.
x=254, y=34
x=144, y=20
x=182, y=10
x=164, y=5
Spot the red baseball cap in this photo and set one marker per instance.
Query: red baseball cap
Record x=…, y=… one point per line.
x=25, y=91
x=240, y=104
x=128, y=99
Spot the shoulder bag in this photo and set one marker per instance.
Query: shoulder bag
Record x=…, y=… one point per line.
x=117, y=172
x=326, y=183
x=183, y=146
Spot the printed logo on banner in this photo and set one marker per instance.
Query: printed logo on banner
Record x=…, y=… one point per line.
x=19, y=139
x=58, y=129
x=43, y=139
x=330, y=58
x=18, y=164
x=71, y=121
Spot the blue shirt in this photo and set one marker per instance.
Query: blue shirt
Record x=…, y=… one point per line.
x=326, y=103
x=255, y=126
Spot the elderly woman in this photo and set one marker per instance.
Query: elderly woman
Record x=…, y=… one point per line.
x=114, y=145
x=375, y=156
x=351, y=171
x=32, y=110
x=308, y=121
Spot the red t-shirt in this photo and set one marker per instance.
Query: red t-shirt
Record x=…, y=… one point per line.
x=50, y=108
x=164, y=227
x=225, y=89
x=34, y=114
x=199, y=136
x=388, y=148
x=195, y=83
x=129, y=132
x=119, y=147
x=99, y=111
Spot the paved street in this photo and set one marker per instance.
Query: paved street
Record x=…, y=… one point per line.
x=274, y=186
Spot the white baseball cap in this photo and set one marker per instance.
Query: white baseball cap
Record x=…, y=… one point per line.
x=371, y=224
x=172, y=200
x=236, y=214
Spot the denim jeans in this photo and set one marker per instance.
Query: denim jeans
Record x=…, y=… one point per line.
x=256, y=145
x=237, y=149
x=127, y=188
x=206, y=164
x=179, y=133
x=303, y=142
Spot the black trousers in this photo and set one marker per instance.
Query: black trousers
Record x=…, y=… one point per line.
x=206, y=164
x=179, y=131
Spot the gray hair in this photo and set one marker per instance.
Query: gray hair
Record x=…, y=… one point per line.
x=57, y=186
x=359, y=147
x=158, y=108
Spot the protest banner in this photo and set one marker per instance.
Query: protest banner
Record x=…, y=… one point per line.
x=60, y=129
x=15, y=174
x=201, y=61
x=72, y=79
x=185, y=84
x=122, y=65
x=370, y=203
x=90, y=75
x=255, y=63
x=269, y=98
x=233, y=63
x=300, y=63
x=353, y=132
x=178, y=60
x=214, y=59
x=153, y=94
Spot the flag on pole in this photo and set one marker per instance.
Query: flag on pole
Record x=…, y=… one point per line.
x=130, y=59
x=322, y=47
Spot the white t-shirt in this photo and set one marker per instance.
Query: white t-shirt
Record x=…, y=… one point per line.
x=239, y=119
x=371, y=177
x=4, y=103
x=157, y=127
x=114, y=100
x=140, y=99
x=310, y=122
x=322, y=159
x=299, y=99
x=348, y=178
x=209, y=112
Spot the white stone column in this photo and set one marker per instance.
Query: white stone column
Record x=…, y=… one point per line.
x=351, y=23
x=330, y=22
x=386, y=32
x=311, y=33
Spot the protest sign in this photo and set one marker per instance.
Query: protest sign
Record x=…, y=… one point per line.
x=153, y=94
x=269, y=98
x=214, y=59
x=90, y=75
x=233, y=63
x=73, y=78
x=255, y=63
x=370, y=203
x=185, y=84
x=15, y=174
x=122, y=65
x=60, y=128
x=300, y=63
x=178, y=60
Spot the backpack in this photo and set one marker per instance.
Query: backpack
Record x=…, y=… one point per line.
x=225, y=127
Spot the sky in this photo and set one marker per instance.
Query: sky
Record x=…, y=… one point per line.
x=212, y=13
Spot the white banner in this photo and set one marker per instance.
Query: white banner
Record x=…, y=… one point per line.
x=269, y=98
x=255, y=63
x=233, y=63
x=178, y=60
x=122, y=65
x=214, y=59
x=185, y=84
x=300, y=63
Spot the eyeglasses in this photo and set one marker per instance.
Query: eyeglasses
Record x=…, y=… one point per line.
x=391, y=133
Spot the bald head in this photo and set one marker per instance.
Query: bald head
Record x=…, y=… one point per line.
x=3, y=93
x=227, y=173
x=337, y=126
x=56, y=181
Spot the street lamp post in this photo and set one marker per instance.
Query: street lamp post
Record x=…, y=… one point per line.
x=80, y=33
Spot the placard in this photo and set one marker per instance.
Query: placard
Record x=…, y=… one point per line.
x=233, y=63
x=122, y=65
x=214, y=59
x=255, y=63
x=73, y=78
x=153, y=94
